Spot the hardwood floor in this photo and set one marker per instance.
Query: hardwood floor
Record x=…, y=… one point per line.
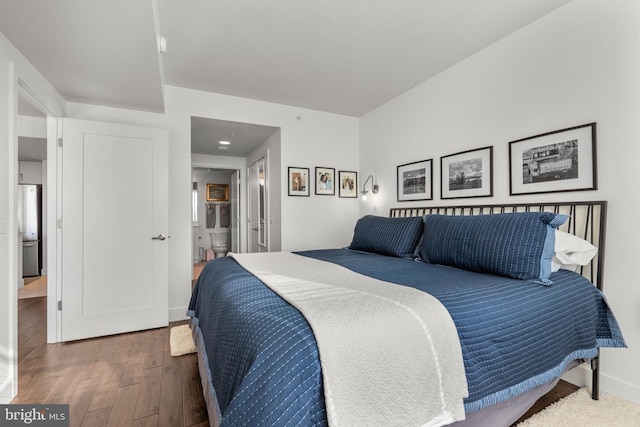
x=124, y=380
x=33, y=287
x=562, y=389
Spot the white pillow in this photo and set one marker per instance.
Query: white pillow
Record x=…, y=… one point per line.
x=571, y=252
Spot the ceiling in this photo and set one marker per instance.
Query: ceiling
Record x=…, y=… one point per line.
x=243, y=137
x=345, y=57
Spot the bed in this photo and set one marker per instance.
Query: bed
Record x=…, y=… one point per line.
x=511, y=324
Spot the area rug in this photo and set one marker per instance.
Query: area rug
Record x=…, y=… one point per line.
x=579, y=410
x=180, y=341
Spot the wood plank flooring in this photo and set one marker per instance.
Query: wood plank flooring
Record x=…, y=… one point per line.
x=124, y=380
x=121, y=380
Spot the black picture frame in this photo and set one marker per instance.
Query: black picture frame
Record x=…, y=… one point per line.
x=325, y=181
x=348, y=184
x=414, y=181
x=558, y=161
x=298, y=181
x=467, y=174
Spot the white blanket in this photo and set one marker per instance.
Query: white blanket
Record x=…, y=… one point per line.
x=390, y=354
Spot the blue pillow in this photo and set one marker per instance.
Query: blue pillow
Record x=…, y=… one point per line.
x=516, y=245
x=387, y=236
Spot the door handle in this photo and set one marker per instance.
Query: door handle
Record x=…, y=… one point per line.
x=255, y=229
x=159, y=237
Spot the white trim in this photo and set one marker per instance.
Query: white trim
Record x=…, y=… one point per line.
x=10, y=353
x=178, y=313
x=581, y=376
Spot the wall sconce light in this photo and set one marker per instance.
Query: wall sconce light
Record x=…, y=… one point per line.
x=374, y=188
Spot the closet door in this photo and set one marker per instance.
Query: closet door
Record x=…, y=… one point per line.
x=258, y=207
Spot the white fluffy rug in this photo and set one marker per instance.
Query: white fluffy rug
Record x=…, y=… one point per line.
x=579, y=410
x=181, y=341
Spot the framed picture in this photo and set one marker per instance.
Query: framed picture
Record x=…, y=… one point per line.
x=415, y=181
x=325, y=181
x=298, y=181
x=467, y=174
x=563, y=160
x=217, y=192
x=348, y=182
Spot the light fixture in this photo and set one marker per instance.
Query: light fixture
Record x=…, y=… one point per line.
x=224, y=142
x=162, y=44
x=374, y=188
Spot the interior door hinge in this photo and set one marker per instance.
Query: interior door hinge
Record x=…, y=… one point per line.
x=60, y=142
x=60, y=305
x=60, y=223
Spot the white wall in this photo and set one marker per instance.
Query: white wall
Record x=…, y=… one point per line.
x=578, y=65
x=308, y=139
x=13, y=66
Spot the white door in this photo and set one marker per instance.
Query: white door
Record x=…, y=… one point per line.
x=258, y=223
x=114, y=229
x=234, y=196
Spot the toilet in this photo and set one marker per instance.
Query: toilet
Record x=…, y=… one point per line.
x=220, y=242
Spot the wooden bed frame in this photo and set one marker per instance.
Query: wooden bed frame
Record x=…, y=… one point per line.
x=587, y=220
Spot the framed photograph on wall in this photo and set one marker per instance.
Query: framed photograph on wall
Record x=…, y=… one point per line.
x=467, y=174
x=348, y=182
x=415, y=181
x=217, y=192
x=563, y=160
x=298, y=181
x=325, y=181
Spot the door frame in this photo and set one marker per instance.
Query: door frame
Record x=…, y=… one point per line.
x=53, y=203
x=44, y=99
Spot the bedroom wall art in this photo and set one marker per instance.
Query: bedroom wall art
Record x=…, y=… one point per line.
x=467, y=174
x=348, y=182
x=562, y=160
x=415, y=181
x=217, y=192
x=325, y=181
x=298, y=181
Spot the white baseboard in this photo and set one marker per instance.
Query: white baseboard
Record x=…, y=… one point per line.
x=6, y=392
x=581, y=376
x=178, y=313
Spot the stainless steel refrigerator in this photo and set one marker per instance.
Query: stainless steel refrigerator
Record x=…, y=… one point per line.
x=30, y=225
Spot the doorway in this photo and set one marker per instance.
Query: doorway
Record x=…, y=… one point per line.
x=234, y=146
x=32, y=207
x=215, y=204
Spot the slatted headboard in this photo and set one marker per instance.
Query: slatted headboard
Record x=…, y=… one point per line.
x=587, y=220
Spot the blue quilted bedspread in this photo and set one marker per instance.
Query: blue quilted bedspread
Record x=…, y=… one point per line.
x=515, y=335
